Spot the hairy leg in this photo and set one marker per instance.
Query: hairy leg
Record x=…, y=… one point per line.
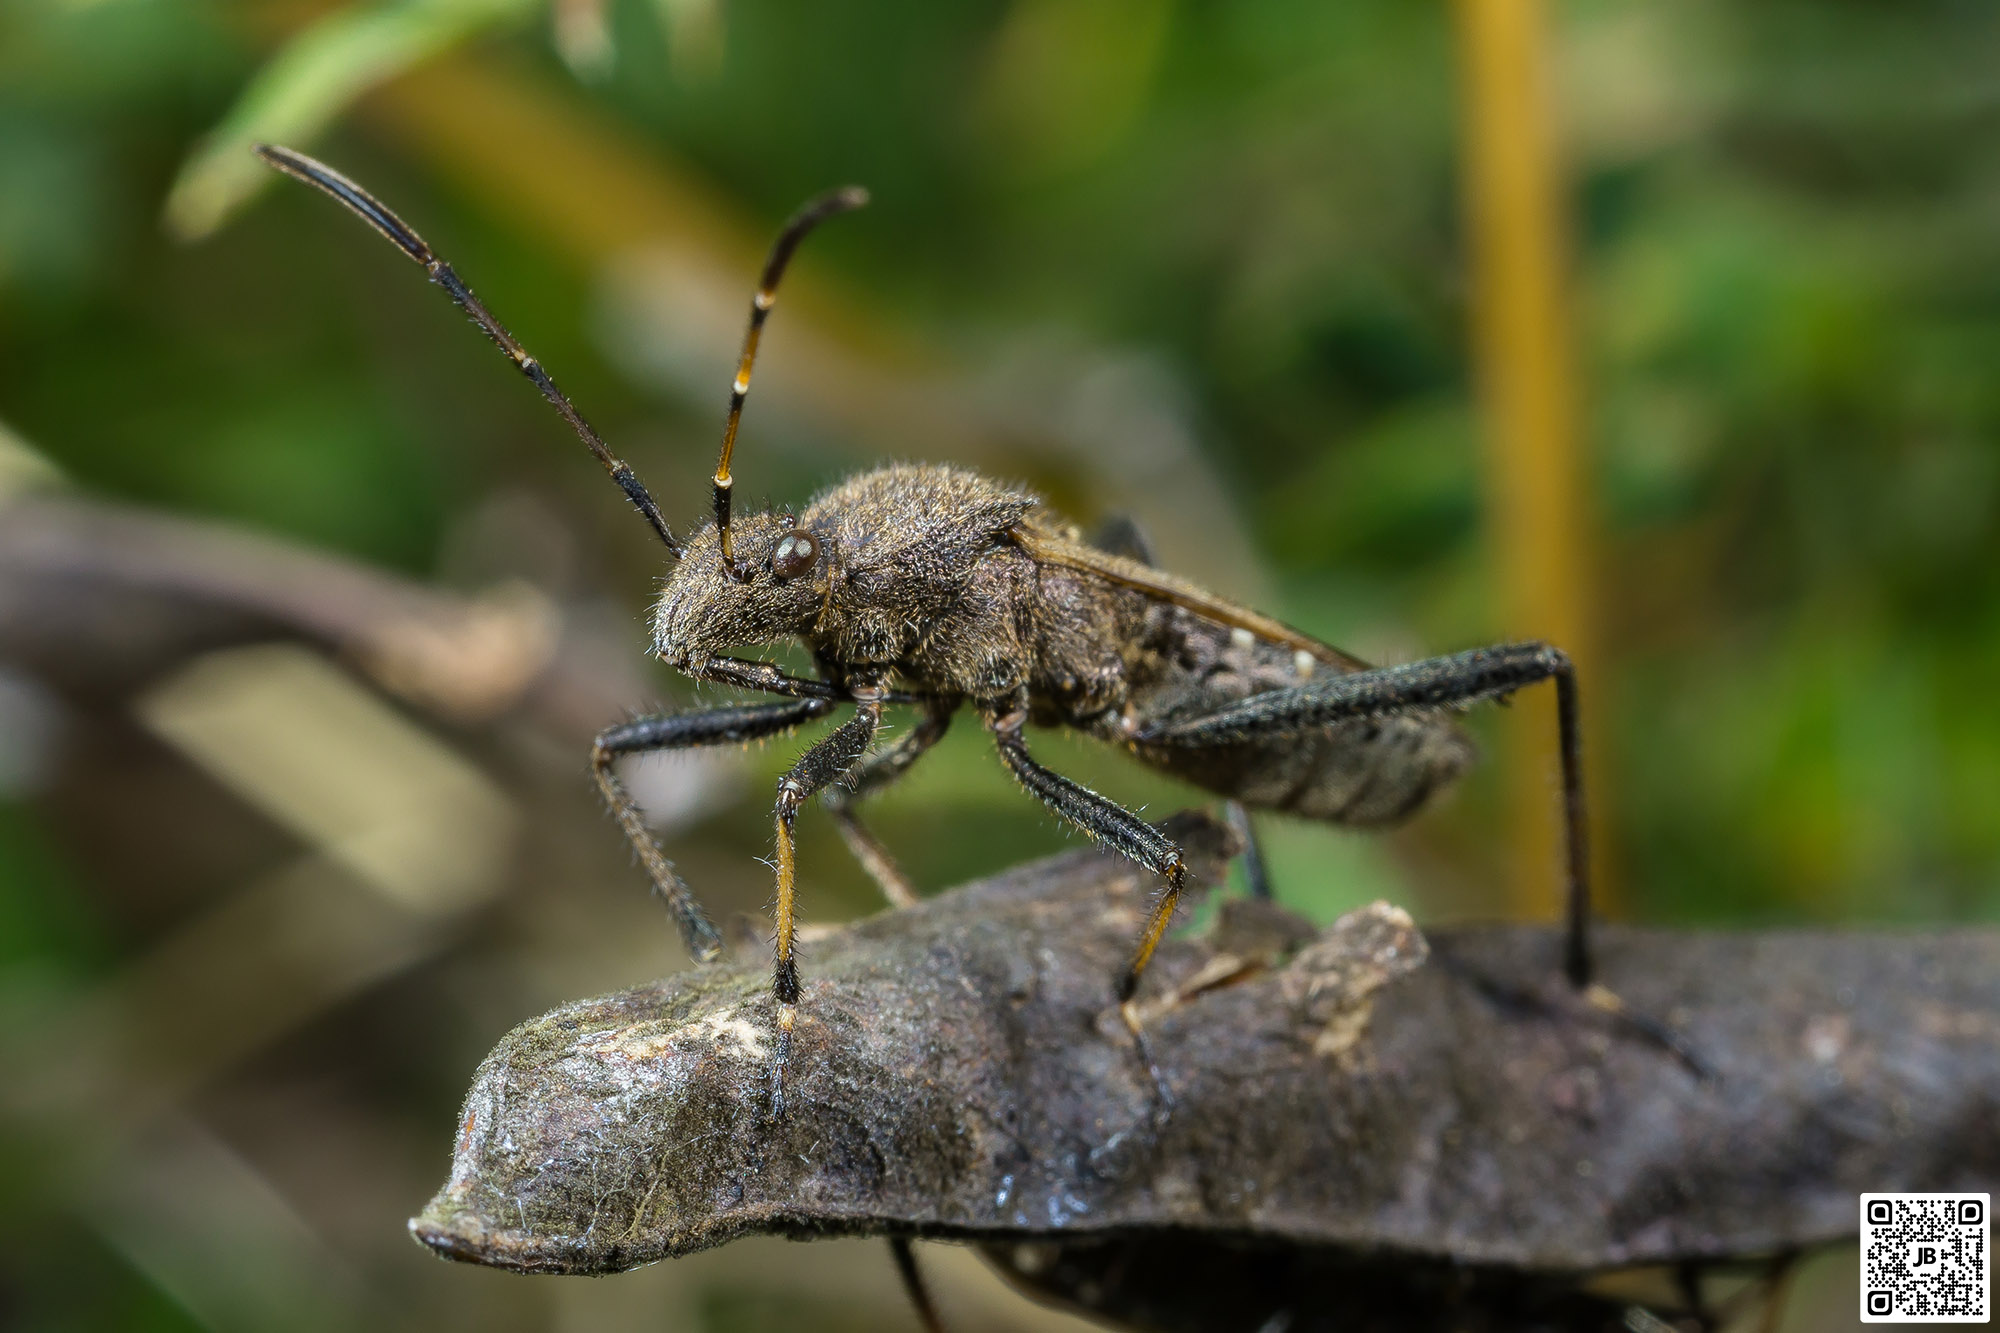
x=1121, y=534
x=684, y=731
x=831, y=758
x=871, y=775
x=1125, y=833
x=1438, y=682
x=1106, y=821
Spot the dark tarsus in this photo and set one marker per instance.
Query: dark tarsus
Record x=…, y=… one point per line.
x=937, y=587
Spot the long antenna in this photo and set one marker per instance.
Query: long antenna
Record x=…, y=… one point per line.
x=377, y=215
x=816, y=211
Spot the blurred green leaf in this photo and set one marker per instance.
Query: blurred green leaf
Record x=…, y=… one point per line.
x=22, y=466
x=312, y=80
x=1067, y=79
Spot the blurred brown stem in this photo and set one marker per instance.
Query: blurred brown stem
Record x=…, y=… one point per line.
x=1537, y=480
x=102, y=598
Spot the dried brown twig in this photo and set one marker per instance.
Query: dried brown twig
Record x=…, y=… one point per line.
x=102, y=597
x=960, y=1072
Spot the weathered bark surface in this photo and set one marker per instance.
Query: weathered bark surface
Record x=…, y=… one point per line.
x=960, y=1071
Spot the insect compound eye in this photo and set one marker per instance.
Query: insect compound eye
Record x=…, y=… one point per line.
x=794, y=554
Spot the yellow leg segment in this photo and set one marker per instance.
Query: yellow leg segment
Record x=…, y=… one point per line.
x=1156, y=928
x=829, y=760
x=785, y=973
x=874, y=858
x=785, y=983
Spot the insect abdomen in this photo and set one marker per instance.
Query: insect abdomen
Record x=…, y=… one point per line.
x=1365, y=772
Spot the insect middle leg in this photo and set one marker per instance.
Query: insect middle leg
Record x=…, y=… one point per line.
x=1121, y=534
x=1108, y=822
x=685, y=731
x=1256, y=875
x=1126, y=834
x=871, y=775
x=1438, y=682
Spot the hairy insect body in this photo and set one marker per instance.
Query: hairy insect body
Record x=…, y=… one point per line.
x=936, y=587
x=914, y=578
x=922, y=582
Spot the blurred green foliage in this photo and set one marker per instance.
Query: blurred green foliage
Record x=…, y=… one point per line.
x=1787, y=266
x=1787, y=229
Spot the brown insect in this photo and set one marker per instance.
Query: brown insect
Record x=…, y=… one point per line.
x=935, y=587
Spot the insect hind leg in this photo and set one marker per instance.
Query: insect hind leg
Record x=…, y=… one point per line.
x=914, y=1286
x=1439, y=682
x=1121, y=534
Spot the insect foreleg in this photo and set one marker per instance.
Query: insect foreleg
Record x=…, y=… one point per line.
x=1438, y=682
x=768, y=679
x=831, y=758
x=871, y=775
x=684, y=731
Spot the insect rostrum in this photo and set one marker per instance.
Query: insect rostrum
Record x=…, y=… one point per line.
x=939, y=588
